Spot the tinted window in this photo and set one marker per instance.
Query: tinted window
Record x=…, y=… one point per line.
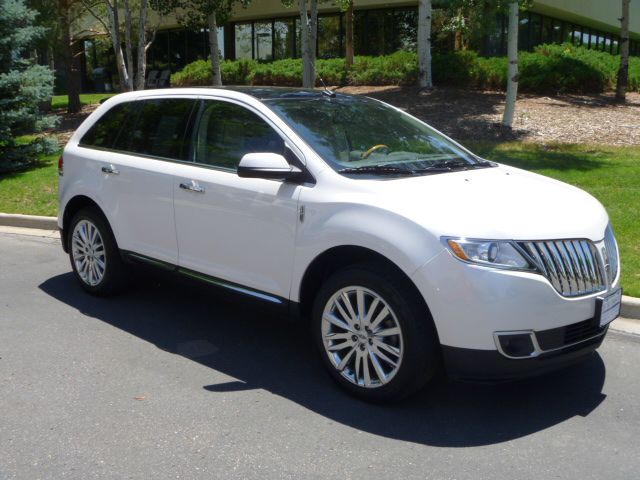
x=227, y=132
x=160, y=128
x=105, y=131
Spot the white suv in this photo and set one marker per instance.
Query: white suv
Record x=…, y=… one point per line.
x=405, y=250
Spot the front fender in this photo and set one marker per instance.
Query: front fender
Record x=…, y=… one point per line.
x=330, y=225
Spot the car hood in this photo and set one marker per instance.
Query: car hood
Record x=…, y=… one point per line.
x=494, y=203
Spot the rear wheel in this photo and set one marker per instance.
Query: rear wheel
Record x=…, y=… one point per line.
x=375, y=337
x=94, y=254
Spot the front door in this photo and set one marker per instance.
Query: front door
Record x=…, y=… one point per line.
x=240, y=231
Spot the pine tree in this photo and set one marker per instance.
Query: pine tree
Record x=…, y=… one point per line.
x=24, y=87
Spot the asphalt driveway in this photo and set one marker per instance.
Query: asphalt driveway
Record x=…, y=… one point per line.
x=170, y=380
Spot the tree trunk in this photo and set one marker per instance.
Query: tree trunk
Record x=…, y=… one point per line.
x=71, y=67
x=308, y=34
x=348, y=44
x=304, y=38
x=623, y=71
x=214, y=49
x=424, y=44
x=512, y=77
x=114, y=24
x=141, y=64
x=127, y=43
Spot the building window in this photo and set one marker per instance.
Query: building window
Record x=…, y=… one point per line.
x=330, y=36
x=615, y=45
x=244, y=47
x=557, y=33
x=577, y=35
x=405, y=22
x=197, y=45
x=535, y=30
x=523, y=31
x=284, y=39
x=547, y=30
x=263, y=40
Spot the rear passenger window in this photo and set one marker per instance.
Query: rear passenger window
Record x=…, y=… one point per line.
x=160, y=129
x=104, y=132
x=226, y=132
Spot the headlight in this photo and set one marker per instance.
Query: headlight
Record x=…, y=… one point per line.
x=490, y=253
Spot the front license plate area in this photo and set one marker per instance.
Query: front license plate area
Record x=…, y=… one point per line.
x=608, y=308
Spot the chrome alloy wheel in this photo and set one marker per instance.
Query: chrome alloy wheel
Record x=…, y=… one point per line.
x=88, y=252
x=362, y=336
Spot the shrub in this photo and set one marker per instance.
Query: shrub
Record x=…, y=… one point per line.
x=548, y=69
x=567, y=68
x=634, y=74
x=236, y=73
x=286, y=72
x=195, y=73
x=199, y=73
x=491, y=73
x=399, y=68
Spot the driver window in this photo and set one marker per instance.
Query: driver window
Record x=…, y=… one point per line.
x=226, y=132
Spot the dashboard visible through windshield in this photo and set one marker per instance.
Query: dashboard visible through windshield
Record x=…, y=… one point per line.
x=361, y=135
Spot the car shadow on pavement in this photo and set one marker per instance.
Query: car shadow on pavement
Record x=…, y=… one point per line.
x=263, y=351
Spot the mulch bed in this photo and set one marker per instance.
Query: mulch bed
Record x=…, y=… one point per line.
x=476, y=115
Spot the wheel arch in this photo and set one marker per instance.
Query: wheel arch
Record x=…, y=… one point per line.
x=73, y=206
x=335, y=258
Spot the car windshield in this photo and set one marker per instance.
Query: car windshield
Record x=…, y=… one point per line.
x=362, y=135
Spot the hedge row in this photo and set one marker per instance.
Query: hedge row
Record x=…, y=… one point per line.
x=549, y=69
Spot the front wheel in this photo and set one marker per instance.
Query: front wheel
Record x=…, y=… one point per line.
x=94, y=254
x=375, y=336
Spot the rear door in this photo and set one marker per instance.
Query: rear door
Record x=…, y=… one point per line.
x=137, y=175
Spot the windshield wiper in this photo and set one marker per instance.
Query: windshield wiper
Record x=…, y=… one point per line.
x=382, y=169
x=450, y=165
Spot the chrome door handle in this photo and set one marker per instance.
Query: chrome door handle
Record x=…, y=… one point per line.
x=192, y=187
x=110, y=169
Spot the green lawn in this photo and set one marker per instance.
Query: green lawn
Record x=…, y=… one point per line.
x=62, y=101
x=611, y=174
x=33, y=191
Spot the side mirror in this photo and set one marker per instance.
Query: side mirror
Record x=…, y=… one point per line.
x=266, y=165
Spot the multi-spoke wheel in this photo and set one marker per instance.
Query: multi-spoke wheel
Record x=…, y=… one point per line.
x=375, y=335
x=87, y=252
x=94, y=254
x=362, y=336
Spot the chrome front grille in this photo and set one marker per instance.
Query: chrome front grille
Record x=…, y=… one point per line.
x=574, y=267
x=610, y=255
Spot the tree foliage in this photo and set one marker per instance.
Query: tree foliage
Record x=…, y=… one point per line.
x=471, y=20
x=24, y=87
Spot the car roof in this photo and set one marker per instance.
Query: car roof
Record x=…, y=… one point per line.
x=269, y=93
x=258, y=93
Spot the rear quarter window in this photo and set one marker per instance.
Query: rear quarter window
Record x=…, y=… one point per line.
x=104, y=133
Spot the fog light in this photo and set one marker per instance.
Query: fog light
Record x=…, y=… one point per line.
x=515, y=345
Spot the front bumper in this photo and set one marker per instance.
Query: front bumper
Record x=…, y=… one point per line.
x=470, y=305
x=491, y=366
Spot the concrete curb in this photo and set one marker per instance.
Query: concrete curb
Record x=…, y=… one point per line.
x=630, y=305
x=28, y=221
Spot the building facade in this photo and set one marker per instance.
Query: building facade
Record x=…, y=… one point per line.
x=267, y=30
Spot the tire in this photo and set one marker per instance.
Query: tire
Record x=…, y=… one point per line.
x=97, y=264
x=410, y=357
